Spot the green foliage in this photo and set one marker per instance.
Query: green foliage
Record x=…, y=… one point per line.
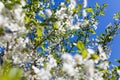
x=11, y=4
x=77, y=10
x=106, y=37
x=102, y=13
x=39, y=31
x=94, y=56
x=104, y=5
x=55, y=26
x=84, y=53
x=116, y=16
x=1, y=31
x=92, y=31
x=89, y=10
x=8, y=72
x=79, y=6
x=81, y=47
x=102, y=9
x=117, y=60
x=97, y=6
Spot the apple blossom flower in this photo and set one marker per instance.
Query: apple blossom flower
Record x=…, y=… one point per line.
x=85, y=3
x=48, y=12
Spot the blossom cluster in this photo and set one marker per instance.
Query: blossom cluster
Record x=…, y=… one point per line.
x=48, y=54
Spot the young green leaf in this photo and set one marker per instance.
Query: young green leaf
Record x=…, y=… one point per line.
x=27, y=19
x=97, y=6
x=92, y=31
x=105, y=5
x=116, y=16
x=79, y=6
x=94, y=56
x=1, y=31
x=89, y=10
x=39, y=32
x=102, y=13
x=80, y=45
x=55, y=26
x=84, y=53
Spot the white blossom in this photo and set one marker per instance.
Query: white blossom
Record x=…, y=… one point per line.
x=89, y=70
x=48, y=12
x=119, y=78
x=72, y=4
x=78, y=59
x=104, y=65
x=52, y=63
x=100, y=49
x=19, y=14
x=90, y=51
x=69, y=69
x=16, y=59
x=103, y=55
x=84, y=13
x=118, y=71
x=23, y=2
x=85, y=4
x=42, y=73
x=67, y=58
x=36, y=70
x=62, y=4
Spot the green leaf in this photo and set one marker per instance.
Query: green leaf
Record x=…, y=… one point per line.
x=94, y=56
x=89, y=10
x=83, y=50
x=39, y=32
x=55, y=26
x=116, y=16
x=117, y=60
x=42, y=15
x=104, y=71
x=92, y=31
x=27, y=19
x=101, y=13
x=1, y=31
x=44, y=24
x=45, y=65
x=105, y=5
x=7, y=72
x=80, y=45
x=97, y=6
x=84, y=53
x=75, y=10
x=14, y=74
x=79, y=6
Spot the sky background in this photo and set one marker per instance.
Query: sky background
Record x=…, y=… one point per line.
x=110, y=10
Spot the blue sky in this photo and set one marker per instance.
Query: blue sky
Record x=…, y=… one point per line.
x=113, y=7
